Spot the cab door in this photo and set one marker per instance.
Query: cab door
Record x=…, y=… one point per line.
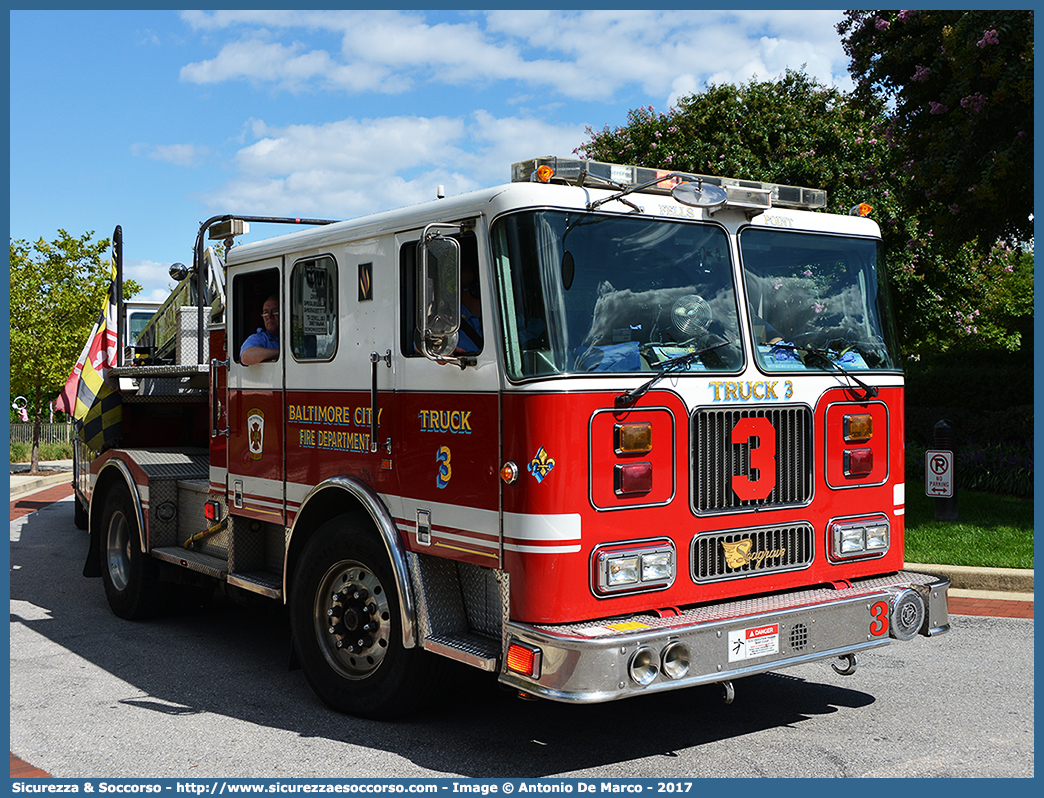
x=256, y=432
x=447, y=456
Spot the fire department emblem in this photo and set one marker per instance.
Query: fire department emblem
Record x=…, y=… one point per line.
x=540, y=466
x=255, y=433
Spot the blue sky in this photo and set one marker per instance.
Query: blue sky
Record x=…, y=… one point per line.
x=157, y=120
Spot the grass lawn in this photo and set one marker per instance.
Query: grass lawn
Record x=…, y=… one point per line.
x=991, y=531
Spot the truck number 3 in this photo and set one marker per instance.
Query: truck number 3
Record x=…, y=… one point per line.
x=879, y=624
x=761, y=435
x=445, y=471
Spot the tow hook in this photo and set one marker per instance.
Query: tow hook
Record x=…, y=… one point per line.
x=850, y=666
x=728, y=692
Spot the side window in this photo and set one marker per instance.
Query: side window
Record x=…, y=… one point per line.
x=248, y=295
x=313, y=309
x=470, y=340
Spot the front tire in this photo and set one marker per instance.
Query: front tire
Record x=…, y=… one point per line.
x=130, y=576
x=344, y=615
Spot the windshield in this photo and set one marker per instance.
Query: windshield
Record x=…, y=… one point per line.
x=817, y=301
x=587, y=293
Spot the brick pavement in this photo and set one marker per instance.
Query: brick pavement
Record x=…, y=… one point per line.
x=39, y=500
x=997, y=608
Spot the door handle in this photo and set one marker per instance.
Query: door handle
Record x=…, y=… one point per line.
x=376, y=358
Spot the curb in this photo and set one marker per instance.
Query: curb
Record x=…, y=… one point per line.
x=966, y=577
x=25, y=485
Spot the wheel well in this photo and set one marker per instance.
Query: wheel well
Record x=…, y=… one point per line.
x=109, y=476
x=320, y=508
x=339, y=496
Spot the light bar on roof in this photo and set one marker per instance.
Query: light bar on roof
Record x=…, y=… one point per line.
x=596, y=174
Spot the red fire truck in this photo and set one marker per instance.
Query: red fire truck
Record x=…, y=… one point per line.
x=601, y=431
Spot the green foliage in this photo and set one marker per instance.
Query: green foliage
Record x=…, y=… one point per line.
x=961, y=83
x=21, y=452
x=794, y=131
x=799, y=132
x=57, y=291
x=1002, y=468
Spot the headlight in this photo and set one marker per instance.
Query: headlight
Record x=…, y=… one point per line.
x=622, y=571
x=631, y=567
x=859, y=537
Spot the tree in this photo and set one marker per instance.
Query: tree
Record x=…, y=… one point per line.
x=961, y=87
x=57, y=291
x=794, y=131
x=798, y=132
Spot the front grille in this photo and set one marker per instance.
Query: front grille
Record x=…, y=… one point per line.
x=751, y=552
x=716, y=460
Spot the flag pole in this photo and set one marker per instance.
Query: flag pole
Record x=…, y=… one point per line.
x=117, y=256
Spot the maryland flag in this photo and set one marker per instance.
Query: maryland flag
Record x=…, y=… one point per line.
x=96, y=406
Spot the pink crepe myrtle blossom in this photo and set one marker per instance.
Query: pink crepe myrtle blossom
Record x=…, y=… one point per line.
x=921, y=74
x=974, y=102
x=988, y=37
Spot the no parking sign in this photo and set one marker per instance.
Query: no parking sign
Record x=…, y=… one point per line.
x=938, y=474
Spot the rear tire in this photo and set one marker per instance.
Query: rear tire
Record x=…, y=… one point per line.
x=131, y=577
x=344, y=615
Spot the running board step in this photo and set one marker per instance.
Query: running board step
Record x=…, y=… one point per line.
x=472, y=649
x=193, y=560
x=263, y=582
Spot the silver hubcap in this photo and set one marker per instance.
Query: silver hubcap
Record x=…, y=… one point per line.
x=352, y=619
x=117, y=550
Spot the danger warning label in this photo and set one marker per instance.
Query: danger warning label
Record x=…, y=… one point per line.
x=757, y=641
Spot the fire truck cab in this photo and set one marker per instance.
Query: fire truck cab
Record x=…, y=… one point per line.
x=601, y=431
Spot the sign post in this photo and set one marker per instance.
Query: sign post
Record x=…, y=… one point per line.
x=938, y=473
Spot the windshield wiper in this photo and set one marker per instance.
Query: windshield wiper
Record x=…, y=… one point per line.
x=627, y=399
x=630, y=190
x=869, y=391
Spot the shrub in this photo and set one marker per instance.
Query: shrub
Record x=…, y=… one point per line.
x=23, y=452
x=1004, y=468
x=20, y=452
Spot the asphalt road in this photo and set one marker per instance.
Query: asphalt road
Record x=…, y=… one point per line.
x=206, y=693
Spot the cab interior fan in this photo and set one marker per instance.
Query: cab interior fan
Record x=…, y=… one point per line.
x=690, y=315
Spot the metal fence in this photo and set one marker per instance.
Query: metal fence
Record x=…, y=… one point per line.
x=49, y=433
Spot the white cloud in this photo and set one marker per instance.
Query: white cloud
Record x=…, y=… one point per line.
x=261, y=61
x=153, y=277
x=177, y=154
x=352, y=167
x=543, y=64
x=577, y=55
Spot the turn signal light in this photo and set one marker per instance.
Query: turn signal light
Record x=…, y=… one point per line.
x=524, y=659
x=858, y=427
x=633, y=438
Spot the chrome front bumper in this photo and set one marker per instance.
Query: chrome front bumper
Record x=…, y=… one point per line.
x=620, y=657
